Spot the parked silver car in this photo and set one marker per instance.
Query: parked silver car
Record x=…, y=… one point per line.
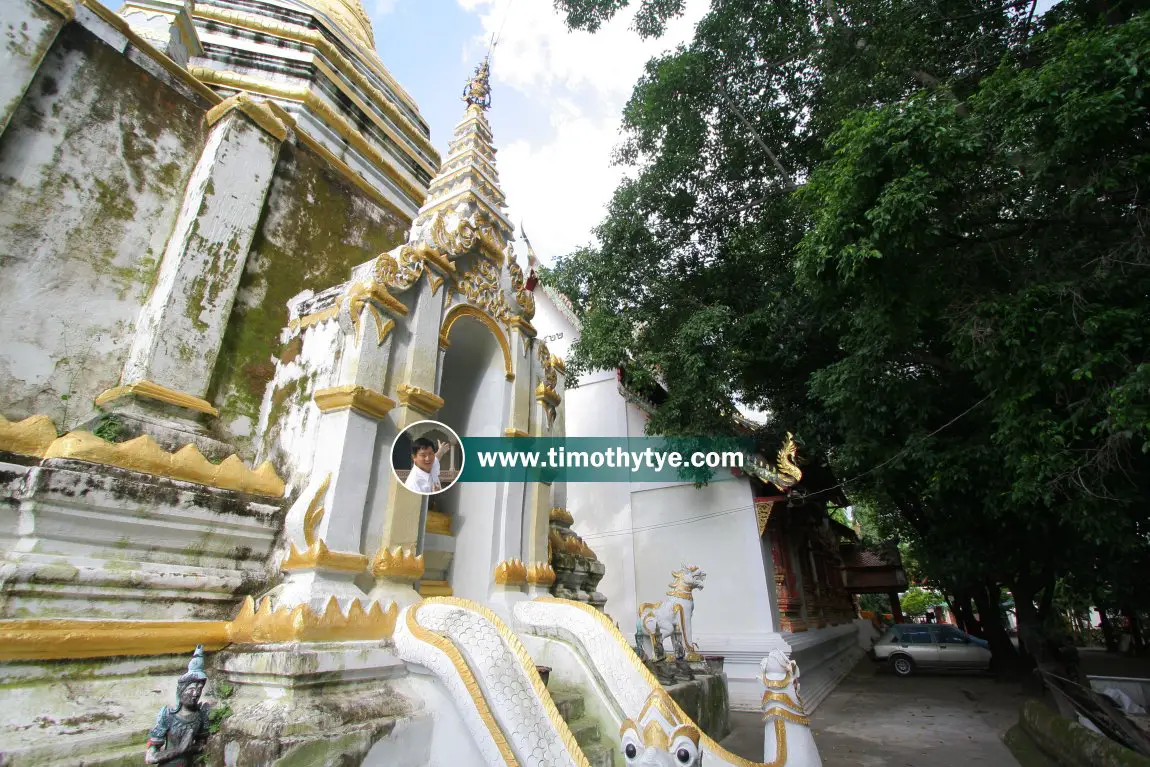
x=910, y=646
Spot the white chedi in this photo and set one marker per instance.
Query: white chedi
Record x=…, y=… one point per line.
x=787, y=739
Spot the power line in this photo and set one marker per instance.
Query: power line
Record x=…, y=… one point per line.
x=675, y=523
x=902, y=452
x=499, y=34
x=737, y=509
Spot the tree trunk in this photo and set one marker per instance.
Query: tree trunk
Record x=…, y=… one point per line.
x=965, y=614
x=1136, y=643
x=1030, y=632
x=1107, y=630
x=896, y=608
x=1004, y=657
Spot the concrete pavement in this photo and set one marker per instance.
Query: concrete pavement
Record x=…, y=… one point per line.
x=875, y=719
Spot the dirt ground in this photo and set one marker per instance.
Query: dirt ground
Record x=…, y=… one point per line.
x=875, y=719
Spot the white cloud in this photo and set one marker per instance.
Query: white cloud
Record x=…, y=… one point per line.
x=559, y=183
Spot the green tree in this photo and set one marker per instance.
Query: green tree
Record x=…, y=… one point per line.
x=916, y=233
x=916, y=601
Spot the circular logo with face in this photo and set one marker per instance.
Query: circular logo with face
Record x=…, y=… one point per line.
x=427, y=457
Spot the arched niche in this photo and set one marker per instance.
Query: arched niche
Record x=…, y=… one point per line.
x=467, y=310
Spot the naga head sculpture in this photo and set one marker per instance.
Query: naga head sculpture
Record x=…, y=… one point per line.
x=660, y=738
x=689, y=578
x=777, y=662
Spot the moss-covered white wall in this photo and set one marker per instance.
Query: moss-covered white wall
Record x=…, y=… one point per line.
x=92, y=171
x=316, y=226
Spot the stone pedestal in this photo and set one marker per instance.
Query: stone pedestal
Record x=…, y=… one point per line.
x=317, y=704
x=705, y=700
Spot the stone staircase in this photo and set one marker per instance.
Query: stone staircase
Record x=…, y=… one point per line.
x=598, y=747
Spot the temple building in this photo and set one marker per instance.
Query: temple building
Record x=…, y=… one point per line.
x=775, y=577
x=233, y=271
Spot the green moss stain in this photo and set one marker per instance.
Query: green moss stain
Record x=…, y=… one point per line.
x=95, y=203
x=314, y=228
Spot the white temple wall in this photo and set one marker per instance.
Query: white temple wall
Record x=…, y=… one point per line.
x=92, y=166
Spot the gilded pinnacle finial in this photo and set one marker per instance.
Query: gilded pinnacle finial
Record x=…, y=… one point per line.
x=478, y=90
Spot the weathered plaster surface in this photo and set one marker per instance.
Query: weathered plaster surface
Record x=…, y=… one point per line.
x=57, y=711
x=150, y=548
x=92, y=172
x=315, y=228
x=27, y=29
x=178, y=335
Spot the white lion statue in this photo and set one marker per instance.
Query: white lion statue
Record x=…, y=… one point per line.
x=671, y=618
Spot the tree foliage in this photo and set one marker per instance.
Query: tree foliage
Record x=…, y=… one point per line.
x=916, y=234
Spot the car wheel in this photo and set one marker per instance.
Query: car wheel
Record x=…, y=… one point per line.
x=902, y=665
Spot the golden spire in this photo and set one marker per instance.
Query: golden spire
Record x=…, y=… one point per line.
x=478, y=90
x=468, y=177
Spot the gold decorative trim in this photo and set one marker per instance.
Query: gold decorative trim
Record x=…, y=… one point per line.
x=559, y=364
x=525, y=662
x=358, y=398
x=708, y=742
x=397, y=564
x=387, y=164
x=560, y=514
x=257, y=111
x=763, y=515
x=24, y=640
x=48, y=639
x=435, y=589
x=511, y=572
x=524, y=326
x=436, y=283
x=31, y=437
x=319, y=557
x=187, y=464
x=509, y=432
x=154, y=391
x=547, y=395
x=315, y=318
x=779, y=713
x=62, y=7
x=467, y=310
x=777, y=684
x=540, y=573
x=256, y=23
x=315, y=512
x=263, y=625
x=373, y=292
x=445, y=646
x=420, y=399
x=438, y=523
x=438, y=260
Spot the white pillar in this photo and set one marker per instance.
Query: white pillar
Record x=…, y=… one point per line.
x=180, y=329
x=28, y=28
